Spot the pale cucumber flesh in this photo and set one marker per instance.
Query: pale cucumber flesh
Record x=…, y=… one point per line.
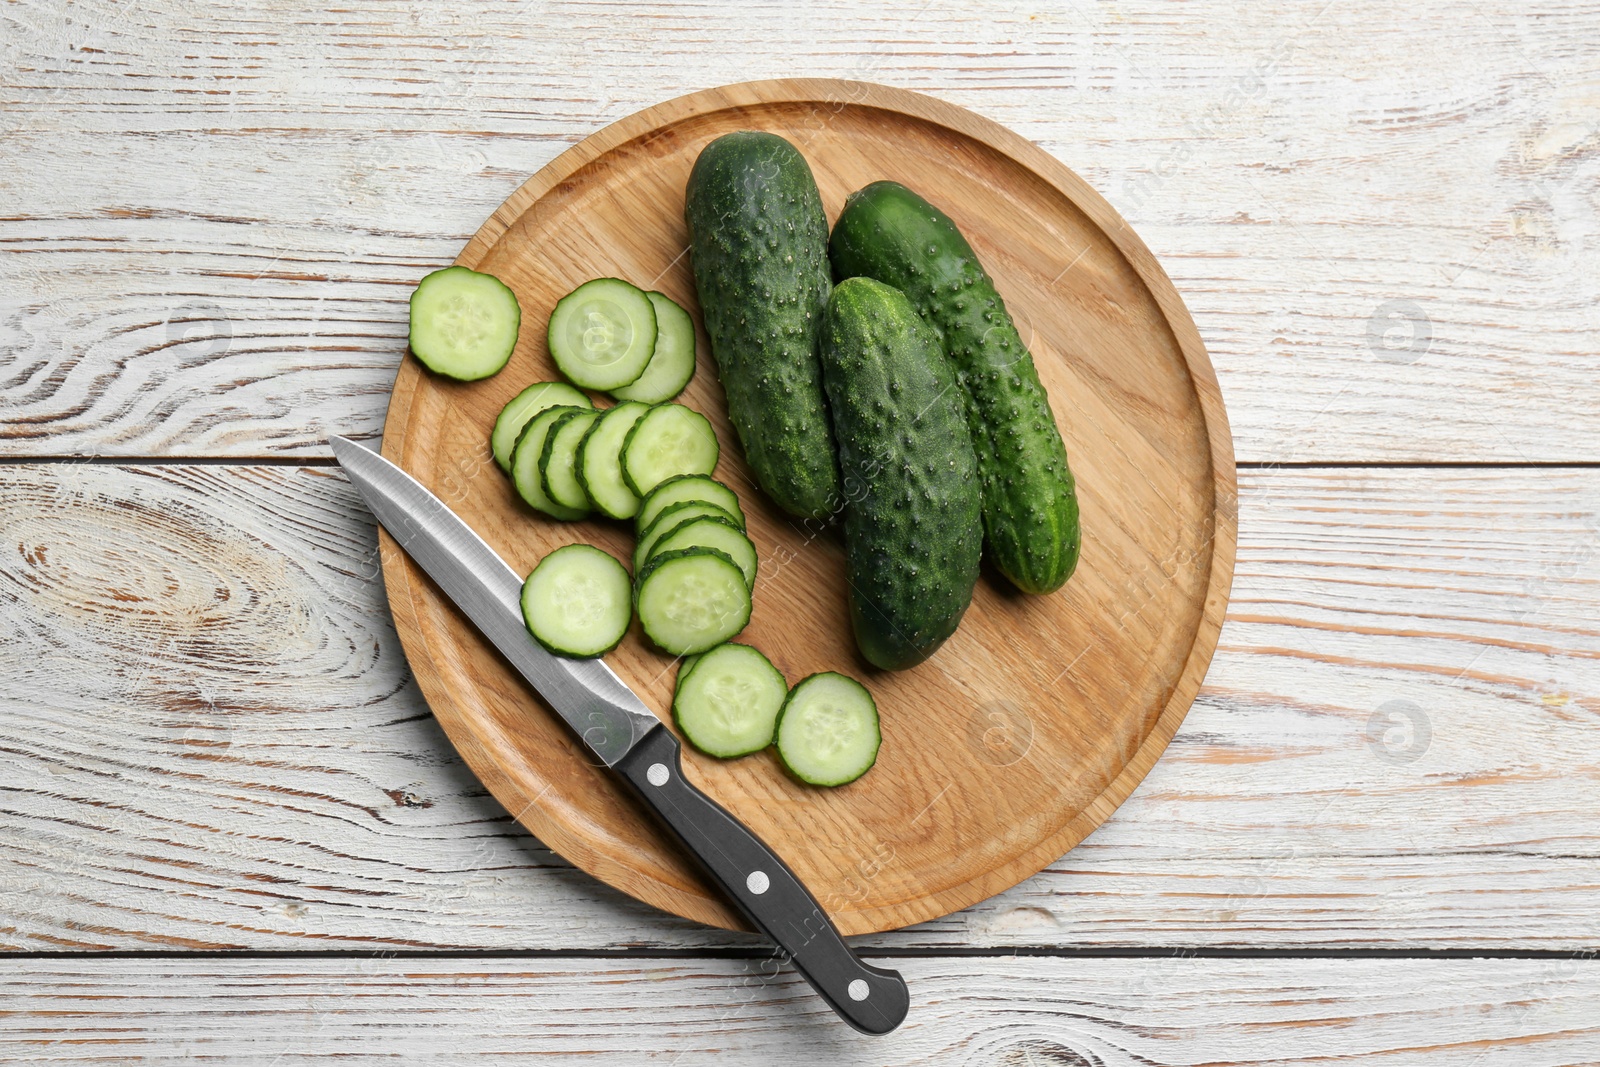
x=828, y=730
x=669, y=441
x=601, y=335
x=463, y=324
x=692, y=600
x=672, y=363
x=577, y=602
x=600, y=461
x=728, y=705
x=521, y=409
x=684, y=488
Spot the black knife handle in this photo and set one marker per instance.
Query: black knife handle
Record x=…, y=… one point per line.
x=871, y=999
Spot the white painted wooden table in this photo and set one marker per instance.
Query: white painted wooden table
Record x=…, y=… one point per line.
x=229, y=828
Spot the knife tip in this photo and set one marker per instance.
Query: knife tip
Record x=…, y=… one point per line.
x=343, y=447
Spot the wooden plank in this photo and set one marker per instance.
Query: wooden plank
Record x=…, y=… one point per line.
x=212, y=740
x=213, y=218
x=1002, y=1011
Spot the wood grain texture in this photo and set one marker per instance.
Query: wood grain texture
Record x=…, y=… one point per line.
x=1102, y=671
x=1384, y=228
x=210, y=737
x=982, y=1012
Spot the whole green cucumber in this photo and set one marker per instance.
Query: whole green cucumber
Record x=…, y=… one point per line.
x=758, y=242
x=1030, y=505
x=913, y=528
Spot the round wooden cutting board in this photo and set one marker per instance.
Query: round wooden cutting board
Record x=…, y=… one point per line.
x=1031, y=724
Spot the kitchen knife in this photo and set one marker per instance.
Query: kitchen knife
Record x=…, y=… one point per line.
x=629, y=739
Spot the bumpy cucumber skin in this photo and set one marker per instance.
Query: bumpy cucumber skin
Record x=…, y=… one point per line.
x=913, y=528
x=759, y=247
x=1030, y=505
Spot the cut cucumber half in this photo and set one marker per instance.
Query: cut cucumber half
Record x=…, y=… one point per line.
x=710, y=532
x=558, y=463
x=602, y=333
x=463, y=324
x=692, y=600
x=577, y=602
x=828, y=730
x=669, y=441
x=668, y=521
x=688, y=487
x=525, y=463
x=522, y=408
x=600, y=461
x=672, y=363
x=728, y=705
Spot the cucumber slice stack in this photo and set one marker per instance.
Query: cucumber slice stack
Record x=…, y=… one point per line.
x=699, y=487
x=610, y=335
x=684, y=517
x=672, y=363
x=526, y=457
x=670, y=440
x=605, y=335
x=558, y=461
x=600, y=461
x=668, y=521
x=516, y=415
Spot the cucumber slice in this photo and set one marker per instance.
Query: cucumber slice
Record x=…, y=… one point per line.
x=710, y=532
x=828, y=730
x=600, y=461
x=576, y=602
x=525, y=463
x=688, y=487
x=521, y=410
x=728, y=705
x=669, y=441
x=463, y=324
x=602, y=333
x=668, y=521
x=692, y=600
x=672, y=363
x=558, y=463
x=685, y=665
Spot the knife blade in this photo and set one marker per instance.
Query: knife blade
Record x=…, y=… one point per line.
x=627, y=737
